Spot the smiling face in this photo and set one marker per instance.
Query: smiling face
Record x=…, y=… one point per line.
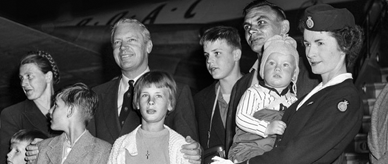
x=279, y=69
x=260, y=24
x=17, y=153
x=154, y=103
x=323, y=54
x=221, y=58
x=130, y=48
x=33, y=81
x=58, y=114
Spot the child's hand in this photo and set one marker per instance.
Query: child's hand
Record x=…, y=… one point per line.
x=32, y=150
x=276, y=127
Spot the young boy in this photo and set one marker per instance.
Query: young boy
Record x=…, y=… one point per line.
x=261, y=107
x=152, y=141
x=222, y=49
x=73, y=109
x=19, y=142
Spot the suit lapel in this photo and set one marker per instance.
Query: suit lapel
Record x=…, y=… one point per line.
x=56, y=145
x=110, y=109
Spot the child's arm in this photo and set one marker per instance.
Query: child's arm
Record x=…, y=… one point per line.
x=276, y=127
x=250, y=103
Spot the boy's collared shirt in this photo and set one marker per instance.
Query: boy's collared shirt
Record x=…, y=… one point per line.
x=67, y=146
x=223, y=102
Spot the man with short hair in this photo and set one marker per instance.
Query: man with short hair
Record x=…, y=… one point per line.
x=131, y=42
x=114, y=117
x=262, y=20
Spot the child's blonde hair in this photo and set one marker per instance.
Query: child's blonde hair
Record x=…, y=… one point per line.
x=27, y=136
x=159, y=79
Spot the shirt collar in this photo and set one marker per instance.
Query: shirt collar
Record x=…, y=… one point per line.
x=284, y=92
x=255, y=66
x=124, y=80
x=68, y=143
x=336, y=80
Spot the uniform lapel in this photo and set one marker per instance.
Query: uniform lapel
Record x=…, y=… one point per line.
x=297, y=119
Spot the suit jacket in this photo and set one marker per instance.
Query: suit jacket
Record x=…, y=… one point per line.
x=87, y=150
x=23, y=115
x=319, y=131
x=105, y=124
x=204, y=101
x=238, y=90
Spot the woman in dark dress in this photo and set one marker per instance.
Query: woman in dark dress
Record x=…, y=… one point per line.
x=38, y=73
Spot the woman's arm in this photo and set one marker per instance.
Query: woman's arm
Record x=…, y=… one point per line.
x=325, y=131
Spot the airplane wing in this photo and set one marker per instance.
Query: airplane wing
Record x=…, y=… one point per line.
x=76, y=64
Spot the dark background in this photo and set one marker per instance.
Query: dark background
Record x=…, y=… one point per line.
x=35, y=11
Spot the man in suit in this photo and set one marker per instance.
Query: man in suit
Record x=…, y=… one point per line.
x=262, y=20
x=131, y=42
x=222, y=49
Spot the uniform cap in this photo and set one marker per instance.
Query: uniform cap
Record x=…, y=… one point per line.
x=323, y=17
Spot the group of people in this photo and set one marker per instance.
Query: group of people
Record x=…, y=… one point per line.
x=276, y=113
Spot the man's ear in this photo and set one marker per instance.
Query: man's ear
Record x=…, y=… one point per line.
x=285, y=27
x=237, y=54
x=149, y=46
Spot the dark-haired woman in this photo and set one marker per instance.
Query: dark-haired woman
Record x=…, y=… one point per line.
x=323, y=123
x=38, y=73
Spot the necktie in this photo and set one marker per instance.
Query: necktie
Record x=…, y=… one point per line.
x=126, y=108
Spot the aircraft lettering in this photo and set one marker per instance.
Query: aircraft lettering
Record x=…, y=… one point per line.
x=116, y=18
x=152, y=15
x=84, y=22
x=189, y=11
x=148, y=19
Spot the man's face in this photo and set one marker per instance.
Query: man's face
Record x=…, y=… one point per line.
x=260, y=24
x=130, y=48
x=220, y=58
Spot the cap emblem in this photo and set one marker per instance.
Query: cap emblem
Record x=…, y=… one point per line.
x=309, y=22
